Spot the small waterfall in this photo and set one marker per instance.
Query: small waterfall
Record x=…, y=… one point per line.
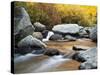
x=50, y=33
x=50, y=63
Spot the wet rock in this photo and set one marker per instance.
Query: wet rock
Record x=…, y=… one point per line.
x=52, y=52
x=37, y=35
x=90, y=64
x=23, y=50
x=83, y=56
x=56, y=37
x=88, y=29
x=70, y=38
x=79, y=48
x=84, y=33
x=30, y=41
x=93, y=34
x=26, y=50
x=39, y=27
x=77, y=58
x=45, y=33
x=22, y=24
x=67, y=28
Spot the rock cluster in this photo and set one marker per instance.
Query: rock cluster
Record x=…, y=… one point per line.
x=26, y=39
x=29, y=39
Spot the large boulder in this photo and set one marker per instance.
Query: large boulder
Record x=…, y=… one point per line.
x=90, y=58
x=30, y=41
x=23, y=33
x=67, y=28
x=83, y=56
x=22, y=24
x=38, y=35
x=56, y=37
x=39, y=27
x=93, y=34
x=90, y=64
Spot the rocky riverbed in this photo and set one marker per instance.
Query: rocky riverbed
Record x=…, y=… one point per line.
x=30, y=63
x=64, y=47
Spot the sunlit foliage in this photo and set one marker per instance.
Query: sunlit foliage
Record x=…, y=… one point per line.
x=52, y=14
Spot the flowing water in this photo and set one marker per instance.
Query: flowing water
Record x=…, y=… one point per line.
x=50, y=33
x=31, y=63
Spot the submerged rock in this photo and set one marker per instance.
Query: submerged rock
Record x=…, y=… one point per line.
x=30, y=41
x=79, y=48
x=52, y=52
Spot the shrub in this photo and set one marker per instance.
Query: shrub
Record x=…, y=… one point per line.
x=52, y=14
x=82, y=15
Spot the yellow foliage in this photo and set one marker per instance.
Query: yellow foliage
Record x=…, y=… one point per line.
x=51, y=14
